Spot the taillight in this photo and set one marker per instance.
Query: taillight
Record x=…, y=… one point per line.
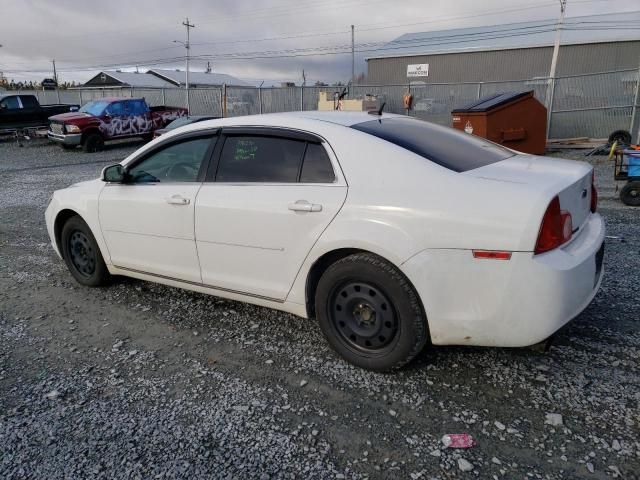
x=556, y=228
x=594, y=193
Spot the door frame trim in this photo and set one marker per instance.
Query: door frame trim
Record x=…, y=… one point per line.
x=199, y=284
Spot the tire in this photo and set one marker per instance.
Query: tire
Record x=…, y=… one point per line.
x=630, y=193
x=369, y=313
x=93, y=142
x=82, y=254
x=620, y=136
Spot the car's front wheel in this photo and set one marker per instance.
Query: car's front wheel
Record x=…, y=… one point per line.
x=82, y=254
x=369, y=313
x=93, y=142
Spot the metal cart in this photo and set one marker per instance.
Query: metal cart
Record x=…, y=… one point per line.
x=627, y=169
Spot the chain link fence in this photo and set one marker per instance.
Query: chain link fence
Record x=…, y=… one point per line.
x=591, y=105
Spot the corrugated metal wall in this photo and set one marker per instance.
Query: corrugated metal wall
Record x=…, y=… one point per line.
x=517, y=64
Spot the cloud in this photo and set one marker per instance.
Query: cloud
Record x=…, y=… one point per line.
x=85, y=37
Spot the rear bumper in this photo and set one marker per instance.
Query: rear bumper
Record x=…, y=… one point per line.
x=68, y=139
x=507, y=303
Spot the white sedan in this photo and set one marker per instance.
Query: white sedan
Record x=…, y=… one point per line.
x=392, y=232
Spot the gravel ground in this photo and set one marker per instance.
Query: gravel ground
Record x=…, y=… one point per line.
x=144, y=381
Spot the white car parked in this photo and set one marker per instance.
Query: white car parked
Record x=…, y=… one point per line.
x=391, y=231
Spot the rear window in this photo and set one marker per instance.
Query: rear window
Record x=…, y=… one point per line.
x=452, y=149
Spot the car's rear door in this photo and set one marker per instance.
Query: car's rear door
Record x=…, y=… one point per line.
x=31, y=111
x=268, y=199
x=148, y=223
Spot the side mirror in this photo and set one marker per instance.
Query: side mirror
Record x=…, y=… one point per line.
x=113, y=174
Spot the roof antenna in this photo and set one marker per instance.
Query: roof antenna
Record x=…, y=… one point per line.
x=379, y=111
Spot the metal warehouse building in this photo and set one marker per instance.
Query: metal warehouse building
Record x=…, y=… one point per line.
x=518, y=51
x=595, y=89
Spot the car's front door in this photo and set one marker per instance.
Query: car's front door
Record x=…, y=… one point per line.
x=148, y=222
x=273, y=196
x=11, y=112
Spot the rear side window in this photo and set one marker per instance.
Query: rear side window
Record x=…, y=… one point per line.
x=136, y=107
x=28, y=101
x=260, y=159
x=316, y=167
x=452, y=149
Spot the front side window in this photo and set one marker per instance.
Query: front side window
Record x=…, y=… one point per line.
x=260, y=159
x=10, y=103
x=179, y=162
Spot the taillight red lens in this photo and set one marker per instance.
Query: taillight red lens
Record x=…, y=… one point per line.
x=594, y=193
x=556, y=228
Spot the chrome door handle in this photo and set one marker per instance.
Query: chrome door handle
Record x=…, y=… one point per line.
x=178, y=200
x=304, y=206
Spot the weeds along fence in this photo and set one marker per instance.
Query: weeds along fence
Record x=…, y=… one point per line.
x=590, y=105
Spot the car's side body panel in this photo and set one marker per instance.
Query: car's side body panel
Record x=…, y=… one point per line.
x=511, y=303
x=81, y=198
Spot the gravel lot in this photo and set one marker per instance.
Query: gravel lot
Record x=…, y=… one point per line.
x=144, y=381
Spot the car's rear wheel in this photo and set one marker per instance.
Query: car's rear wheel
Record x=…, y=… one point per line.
x=630, y=193
x=82, y=254
x=369, y=313
x=93, y=142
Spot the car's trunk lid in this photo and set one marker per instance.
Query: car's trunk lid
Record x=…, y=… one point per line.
x=570, y=180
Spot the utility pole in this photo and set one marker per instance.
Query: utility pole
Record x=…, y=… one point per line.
x=353, y=57
x=55, y=74
x=188, y=47
x=304, y=83
x=554, y=63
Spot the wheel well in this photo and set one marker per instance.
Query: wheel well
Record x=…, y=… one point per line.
x=325, y=261
x=61, y=219
x=317, y=269
x=88, y=132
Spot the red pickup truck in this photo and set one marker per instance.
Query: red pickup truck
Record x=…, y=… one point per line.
x=109, y=119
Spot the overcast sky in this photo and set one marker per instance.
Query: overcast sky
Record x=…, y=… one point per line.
x=86, y=37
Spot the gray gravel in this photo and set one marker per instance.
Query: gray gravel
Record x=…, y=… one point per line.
x=143, y=381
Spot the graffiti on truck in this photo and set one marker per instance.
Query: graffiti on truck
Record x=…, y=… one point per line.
x=137, y=124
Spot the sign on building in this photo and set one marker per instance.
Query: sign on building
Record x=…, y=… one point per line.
x=418, y=70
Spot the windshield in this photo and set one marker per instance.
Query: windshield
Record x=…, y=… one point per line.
x=452, y=149
x=94, y=108
x=179, y=122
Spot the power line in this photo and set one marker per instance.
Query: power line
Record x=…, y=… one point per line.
x=363, y=47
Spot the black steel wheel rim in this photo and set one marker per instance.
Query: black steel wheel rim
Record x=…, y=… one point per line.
x=363, y=317
x=83, y=256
